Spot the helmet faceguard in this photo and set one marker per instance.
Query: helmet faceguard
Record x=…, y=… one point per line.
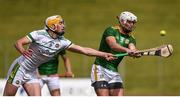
x=52, y=21
x=127, y=21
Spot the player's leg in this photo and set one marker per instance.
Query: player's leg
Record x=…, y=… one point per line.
x=101, y=88
x=99, y=82
x=53, y=85
x=116, y=92
x=55, y=92
x=13, y=80
x=10, y=90
x=32, y=89
x=115, y=84
x=32, y=86
x=116, y=89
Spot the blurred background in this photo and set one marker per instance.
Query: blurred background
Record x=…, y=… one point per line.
x=85, y=23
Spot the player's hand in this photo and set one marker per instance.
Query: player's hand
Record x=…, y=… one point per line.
x=131, y=53
x=109, y=56
x=69, y=74
x=27, y=53
x=137, y=54
x=134, y=53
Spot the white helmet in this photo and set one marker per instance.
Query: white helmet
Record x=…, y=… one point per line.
x=127, y=16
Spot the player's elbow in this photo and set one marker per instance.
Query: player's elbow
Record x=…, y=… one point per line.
x=16, y=44
x=114, y=48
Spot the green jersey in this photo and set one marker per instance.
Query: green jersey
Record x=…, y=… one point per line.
x=121, y=39
x=50, y=67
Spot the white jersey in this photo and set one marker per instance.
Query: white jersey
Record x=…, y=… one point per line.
x=44, y=49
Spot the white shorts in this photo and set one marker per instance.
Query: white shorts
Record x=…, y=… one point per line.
x=51, y=82
x=100, y=73
x=17, y=75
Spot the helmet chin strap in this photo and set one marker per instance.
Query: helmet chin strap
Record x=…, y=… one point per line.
x=57, y=33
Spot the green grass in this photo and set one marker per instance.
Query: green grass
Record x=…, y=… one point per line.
x=86, y=21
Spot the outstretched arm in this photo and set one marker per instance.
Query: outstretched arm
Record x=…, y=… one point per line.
x=90, y=52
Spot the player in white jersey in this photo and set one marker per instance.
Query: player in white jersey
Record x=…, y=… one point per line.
x=43, y=46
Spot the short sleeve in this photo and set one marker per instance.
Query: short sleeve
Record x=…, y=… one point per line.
x=133, y=40
x=65, y=42
x=33, y=36
x=109, y=32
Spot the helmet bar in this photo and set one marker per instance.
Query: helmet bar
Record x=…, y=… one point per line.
x=52, y=21
x=126, y=17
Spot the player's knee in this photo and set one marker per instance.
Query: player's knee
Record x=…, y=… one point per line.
x=116, y=85
x=9, y=93
x=55, y=92
x=100, y=85
x=10, y=90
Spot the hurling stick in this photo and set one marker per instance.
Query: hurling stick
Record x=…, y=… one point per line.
x=162, y=51
x=122, y=54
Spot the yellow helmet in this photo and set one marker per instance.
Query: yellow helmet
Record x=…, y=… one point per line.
x=52, y=20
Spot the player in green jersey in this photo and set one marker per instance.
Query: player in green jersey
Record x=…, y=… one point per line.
x=48, y=73
x=105, y=77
